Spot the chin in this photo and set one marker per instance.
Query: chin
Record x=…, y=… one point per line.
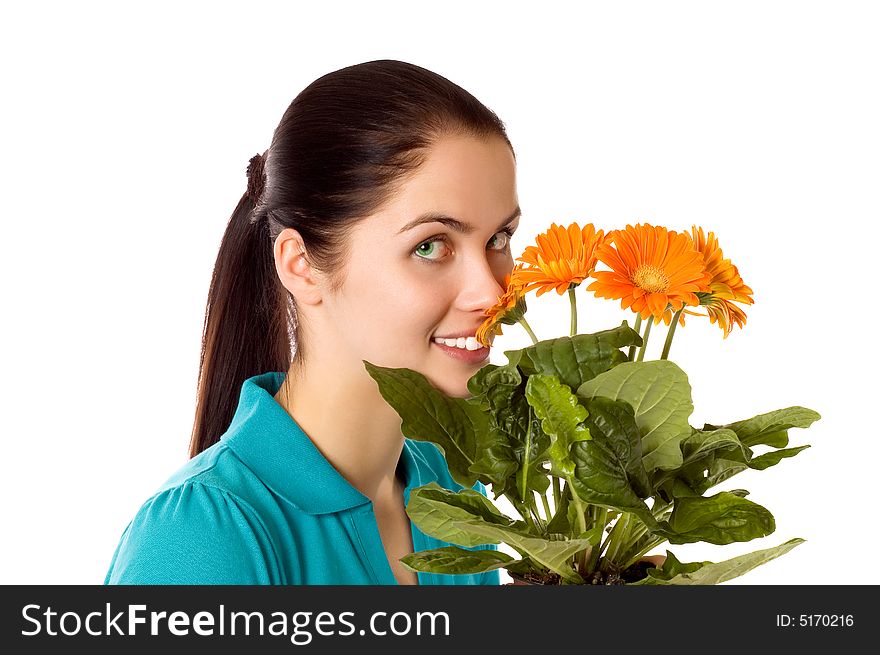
x=452, y=377
x=451, y=385
x=458, y=393
x=459, y=388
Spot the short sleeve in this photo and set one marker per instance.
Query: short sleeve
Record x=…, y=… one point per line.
x=194, y=534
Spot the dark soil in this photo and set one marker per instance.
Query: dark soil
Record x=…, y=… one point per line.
x=634, y=573
x=637, y=571
x=536, y=578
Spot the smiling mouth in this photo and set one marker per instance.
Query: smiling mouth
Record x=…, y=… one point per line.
x=463, y=343
x=476, y=356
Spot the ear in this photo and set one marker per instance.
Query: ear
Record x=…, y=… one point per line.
x=294, y=270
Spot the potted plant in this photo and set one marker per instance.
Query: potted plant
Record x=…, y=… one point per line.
x=588, y=442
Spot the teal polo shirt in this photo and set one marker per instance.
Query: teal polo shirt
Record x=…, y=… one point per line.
x=264, y=506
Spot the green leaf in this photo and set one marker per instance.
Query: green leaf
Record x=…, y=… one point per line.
x=430, y=415
x=770, y=459
x=672, y=488
x=523, y=566
x=514, y=442
x=615, y=421
x=606, y=465
x=700, y=443
x=560, y=523
x=671, y=569
x=574, y=360
x=713, y=457
x=698, y=452
x=467, y=518
x=552, y=554
x=594, y=534
x=772, y=428
x=492, y=375
x=452, y=560
x=720, y=519
x=528, y=455
x=720, y=470
x=498, y=388
x=660, y=394
x=448, y=515
x=496, y=458
x=561, y=417
x=674, y=572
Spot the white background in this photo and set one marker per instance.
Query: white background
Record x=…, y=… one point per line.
x=126, y=132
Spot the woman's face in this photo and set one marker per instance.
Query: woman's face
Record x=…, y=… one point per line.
x=411, y=278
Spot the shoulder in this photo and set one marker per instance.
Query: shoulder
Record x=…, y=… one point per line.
x=197, y=529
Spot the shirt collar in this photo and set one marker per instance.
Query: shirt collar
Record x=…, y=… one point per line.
x=271, y=443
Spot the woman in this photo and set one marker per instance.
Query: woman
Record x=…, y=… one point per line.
x=375, y=228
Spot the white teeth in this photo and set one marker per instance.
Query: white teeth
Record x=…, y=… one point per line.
x=465, y=343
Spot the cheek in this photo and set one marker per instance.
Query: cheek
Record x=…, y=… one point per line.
x=502, y=267
x=400, y=314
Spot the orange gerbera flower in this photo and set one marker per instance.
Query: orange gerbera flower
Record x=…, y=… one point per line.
x=563, y=257
x=508, y=310
x=653, y=271
x=725, y=286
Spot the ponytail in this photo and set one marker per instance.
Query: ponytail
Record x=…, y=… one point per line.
x=245, y=331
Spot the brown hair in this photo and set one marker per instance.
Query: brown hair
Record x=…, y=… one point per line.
x=342, y=149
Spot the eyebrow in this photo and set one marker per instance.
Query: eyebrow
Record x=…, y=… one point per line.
x=454, y=223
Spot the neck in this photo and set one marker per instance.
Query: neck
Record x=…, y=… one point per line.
x=351, y=425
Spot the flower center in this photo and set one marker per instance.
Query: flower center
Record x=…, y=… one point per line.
x=650, y=278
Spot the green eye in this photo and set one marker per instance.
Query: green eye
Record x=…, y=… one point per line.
x=505, y=240
x=426, y=248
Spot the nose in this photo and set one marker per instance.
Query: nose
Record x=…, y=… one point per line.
x=481, y=287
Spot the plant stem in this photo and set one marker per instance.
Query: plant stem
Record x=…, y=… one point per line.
x=524, y=472
x=525, y=324
x=640, y=530
x=617, y=537
x=582, y=525
x=645, y=338
x=542, y=527
x=636, y=327
x=574, y=311
x=634, y=533
x=546, y=507
x=529, y=504
x=564, y=571
x=557, y=493
x=670, y=333
x=524, y=512
x=581, y=509
x=600, y=517
x=626, y=540
x=609, y=545
x=642, y=552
